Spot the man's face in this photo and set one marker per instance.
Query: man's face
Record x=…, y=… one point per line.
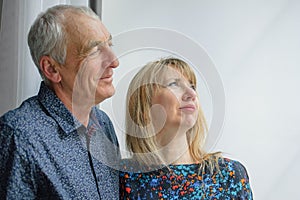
x=87, y=73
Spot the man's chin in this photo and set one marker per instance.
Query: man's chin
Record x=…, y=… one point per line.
x=103, y=95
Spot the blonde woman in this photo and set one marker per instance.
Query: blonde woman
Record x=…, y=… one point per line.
x=165, y=133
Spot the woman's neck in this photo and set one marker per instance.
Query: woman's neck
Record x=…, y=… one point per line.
x=175, y=150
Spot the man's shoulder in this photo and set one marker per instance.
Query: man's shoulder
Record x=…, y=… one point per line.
x=28, y=120
x=26, y=111
x=21, y=123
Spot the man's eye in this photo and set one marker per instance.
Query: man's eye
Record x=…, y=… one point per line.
x=95, y=53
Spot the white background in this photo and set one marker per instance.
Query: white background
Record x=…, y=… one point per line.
x=255, y=46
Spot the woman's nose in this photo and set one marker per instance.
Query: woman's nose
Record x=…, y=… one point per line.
x=189, y=94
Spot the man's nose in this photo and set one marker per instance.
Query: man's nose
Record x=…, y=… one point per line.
x=110, y=59
x=115, y=63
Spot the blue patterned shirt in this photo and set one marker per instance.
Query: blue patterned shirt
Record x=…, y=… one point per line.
x=44, y=152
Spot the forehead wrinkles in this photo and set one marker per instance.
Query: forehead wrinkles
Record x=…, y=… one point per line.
x=82, y=31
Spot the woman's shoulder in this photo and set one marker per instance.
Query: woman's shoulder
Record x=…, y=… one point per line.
x=235, y=176
x=233, y=167
x=234, y=173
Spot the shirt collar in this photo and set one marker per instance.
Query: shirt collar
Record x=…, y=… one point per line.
x=57, y=109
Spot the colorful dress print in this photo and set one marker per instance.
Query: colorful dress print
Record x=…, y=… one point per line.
x=187, y=182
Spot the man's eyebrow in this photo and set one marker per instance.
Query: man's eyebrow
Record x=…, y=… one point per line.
x=93, y=44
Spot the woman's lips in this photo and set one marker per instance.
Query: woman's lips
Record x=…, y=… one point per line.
x=188, y=108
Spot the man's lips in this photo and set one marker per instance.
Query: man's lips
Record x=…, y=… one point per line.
x=107, y=76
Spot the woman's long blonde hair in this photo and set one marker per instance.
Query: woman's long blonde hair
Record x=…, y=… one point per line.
x=140, y=133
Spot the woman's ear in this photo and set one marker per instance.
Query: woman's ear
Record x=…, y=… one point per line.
x=49, y=68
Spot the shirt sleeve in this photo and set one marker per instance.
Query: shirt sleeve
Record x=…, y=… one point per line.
x=241, y=182
x=16, y=177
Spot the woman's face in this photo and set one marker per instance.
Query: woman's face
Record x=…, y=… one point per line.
x=175, y=103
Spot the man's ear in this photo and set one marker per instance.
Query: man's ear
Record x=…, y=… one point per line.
x=49, y=68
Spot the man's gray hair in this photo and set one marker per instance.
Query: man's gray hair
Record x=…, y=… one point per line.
x=47, y=35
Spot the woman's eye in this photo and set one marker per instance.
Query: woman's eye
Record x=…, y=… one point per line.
x=193, y=87
x=174, y=83
x=110, y=44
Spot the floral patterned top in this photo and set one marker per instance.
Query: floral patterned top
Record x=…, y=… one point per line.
x=186, y=181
